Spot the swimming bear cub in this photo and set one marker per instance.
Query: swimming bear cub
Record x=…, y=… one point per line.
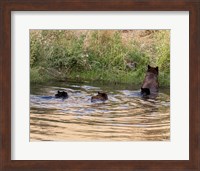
x=150, y=83
x=61, y=94
x=99, y=97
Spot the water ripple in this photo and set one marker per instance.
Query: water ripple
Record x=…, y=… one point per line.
x=126, y=116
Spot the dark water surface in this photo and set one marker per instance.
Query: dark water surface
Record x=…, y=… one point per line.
x=125, y=116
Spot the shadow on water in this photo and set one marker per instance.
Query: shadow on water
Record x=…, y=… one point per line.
x=125, y=116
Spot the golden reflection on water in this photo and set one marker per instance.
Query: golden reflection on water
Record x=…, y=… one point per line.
x=124, y=117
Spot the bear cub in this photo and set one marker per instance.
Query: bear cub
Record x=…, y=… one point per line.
x=61, y=94
x=99, y=97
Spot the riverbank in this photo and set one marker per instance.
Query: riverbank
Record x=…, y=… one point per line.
x=111, y=56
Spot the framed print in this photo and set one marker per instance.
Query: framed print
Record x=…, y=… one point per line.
x=92, y=85
x=117, y=117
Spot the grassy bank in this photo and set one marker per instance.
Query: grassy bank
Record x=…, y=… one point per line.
x=99, y=55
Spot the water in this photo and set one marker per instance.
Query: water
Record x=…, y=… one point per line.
x=125, y=116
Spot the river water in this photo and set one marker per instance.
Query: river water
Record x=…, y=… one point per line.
x=125, y=116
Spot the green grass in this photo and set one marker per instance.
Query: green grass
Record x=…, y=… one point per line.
x=98, y=55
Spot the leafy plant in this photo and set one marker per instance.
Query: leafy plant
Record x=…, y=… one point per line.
x=99, y=55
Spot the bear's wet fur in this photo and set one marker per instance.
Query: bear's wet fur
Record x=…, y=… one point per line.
x=99, y=97
x=150, y=83
x=61, y=94
x=145, y=91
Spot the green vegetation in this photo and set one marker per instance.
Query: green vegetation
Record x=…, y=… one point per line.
x=99, y=55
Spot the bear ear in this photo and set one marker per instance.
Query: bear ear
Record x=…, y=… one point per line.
x=156, y=68
x=58, y=91
x=149, y=66
x=99, y=92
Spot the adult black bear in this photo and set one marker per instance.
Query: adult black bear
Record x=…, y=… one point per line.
x=150, y=83
x=61, y=94
x=99, y=97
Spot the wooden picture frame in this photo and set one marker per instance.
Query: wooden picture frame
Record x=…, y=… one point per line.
x=7, y=6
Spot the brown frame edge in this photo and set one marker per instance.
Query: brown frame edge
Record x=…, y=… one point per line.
x=6, y=6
